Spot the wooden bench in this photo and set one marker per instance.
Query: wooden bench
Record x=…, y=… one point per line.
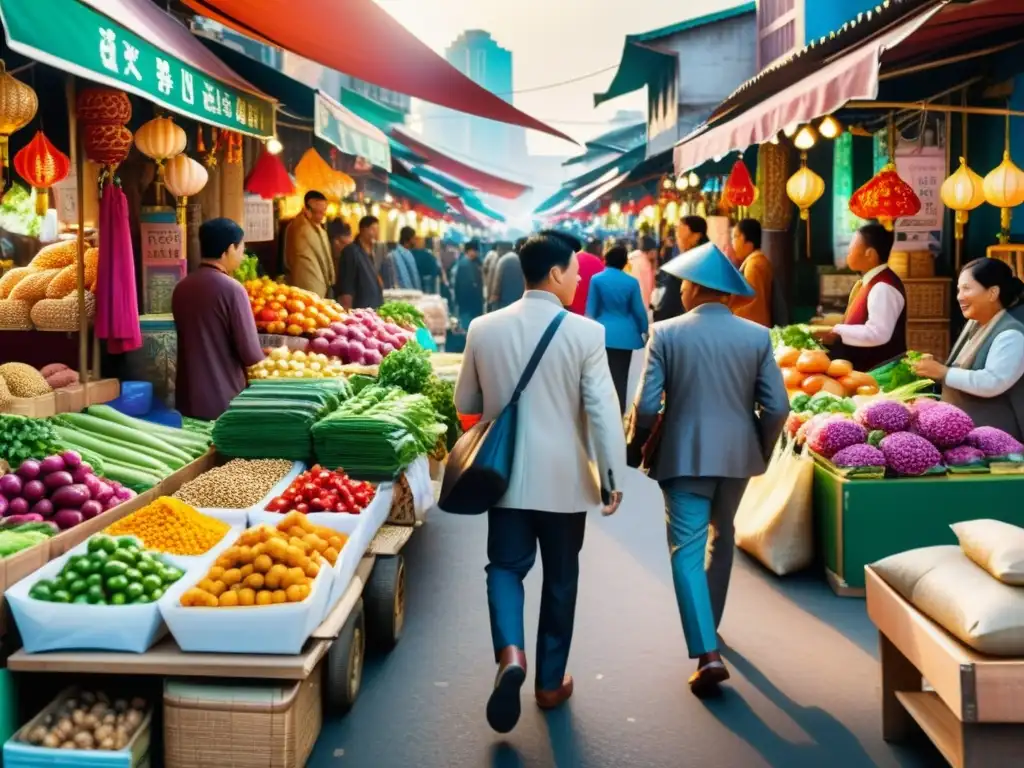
x=974, y=712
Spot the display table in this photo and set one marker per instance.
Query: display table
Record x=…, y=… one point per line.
x=974, y=713
x=858, y=522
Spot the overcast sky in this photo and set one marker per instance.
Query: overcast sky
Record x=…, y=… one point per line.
x=553, y=41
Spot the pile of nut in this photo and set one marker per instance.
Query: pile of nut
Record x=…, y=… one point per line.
x=89, y=721
x=239, y=484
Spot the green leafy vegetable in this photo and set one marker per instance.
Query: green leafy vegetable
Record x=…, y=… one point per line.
x=442, y=397
x=24, y=438
x=18, y=213
x=796, y=336
x=402, y=313
x=249, y=269
x=898, y=373
x=407, y=368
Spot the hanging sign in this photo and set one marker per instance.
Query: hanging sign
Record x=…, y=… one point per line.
x=161, y=242
x=65, y=200
x=259, y=220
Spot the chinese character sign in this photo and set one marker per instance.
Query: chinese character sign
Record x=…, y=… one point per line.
x=259, y=220
x=161, y=241
x=924, y=169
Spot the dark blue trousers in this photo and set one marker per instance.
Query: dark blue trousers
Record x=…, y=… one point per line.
x=512, y=539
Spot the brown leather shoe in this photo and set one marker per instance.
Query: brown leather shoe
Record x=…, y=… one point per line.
x=504, y=707
x=705, y=682
x=556, y=698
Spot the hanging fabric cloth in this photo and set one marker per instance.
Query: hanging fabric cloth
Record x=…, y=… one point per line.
x=117, y=307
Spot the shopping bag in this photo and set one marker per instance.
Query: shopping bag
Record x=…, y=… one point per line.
x=774, y=522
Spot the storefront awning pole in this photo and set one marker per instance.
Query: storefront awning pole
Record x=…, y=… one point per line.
x=83, y=316
x=922, y=106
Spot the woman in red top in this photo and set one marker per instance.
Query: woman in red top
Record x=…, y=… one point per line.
x=590, y=265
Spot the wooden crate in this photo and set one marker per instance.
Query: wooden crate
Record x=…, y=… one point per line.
x=928, y=299
x=930, y=336
x=1010, y=254
x=40, y=407
x=102, y=391
x=70, y=399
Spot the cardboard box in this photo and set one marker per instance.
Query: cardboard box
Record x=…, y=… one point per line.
x=35, y=407
x=70, y=399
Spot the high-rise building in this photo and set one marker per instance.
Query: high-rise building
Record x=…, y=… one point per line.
x=478, y=56
x=786, y=26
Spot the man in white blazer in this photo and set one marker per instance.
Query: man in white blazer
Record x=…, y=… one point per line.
x=570, y=451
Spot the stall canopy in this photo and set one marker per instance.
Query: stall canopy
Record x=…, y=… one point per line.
x=328, y=119
x=449, y=187
x=383, y=117
x=622, y=164
x=417, y=193
x=615, y=142
x=474, y=177
x=597, y=193
x=808, y=86
x=361, y=39
x=138, y=48
x=643, y=62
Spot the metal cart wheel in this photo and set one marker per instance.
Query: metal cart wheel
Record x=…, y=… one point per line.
x=384, y=596
x=344, y=669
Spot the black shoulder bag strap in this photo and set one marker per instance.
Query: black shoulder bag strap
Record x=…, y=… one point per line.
x=538, y=353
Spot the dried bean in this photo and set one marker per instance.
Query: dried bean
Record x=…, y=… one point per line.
x=239, y=484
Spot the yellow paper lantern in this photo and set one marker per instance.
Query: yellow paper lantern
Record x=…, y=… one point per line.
x=184, y=178
x=1004, y=188
x=313, y=173
x=161, y=139
x=962, y=192
x=18, y=105
x=805, y=188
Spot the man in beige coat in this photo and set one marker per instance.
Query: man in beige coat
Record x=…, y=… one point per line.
x=307, y=249
x=570, y=452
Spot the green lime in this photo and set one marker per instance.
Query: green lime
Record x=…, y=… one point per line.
x=114, y=568
x=41, y=591
x=100, y=557
x=74, y=561
x=96, y=595
x=126, y=556
x=134, y=590
x=147, y=565
x=88, y=565
x=141, y=599
x=156, y=594
x=78, y=587
x=118, y=598
x=60, y=596
x=133, y=574
x=117, y=583
x=151, y=582
x=127, y=542
x=94, y=579
x=48, y=583
x=81, y=600
x=171, y=575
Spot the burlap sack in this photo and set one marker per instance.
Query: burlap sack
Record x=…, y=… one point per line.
x=996, y=546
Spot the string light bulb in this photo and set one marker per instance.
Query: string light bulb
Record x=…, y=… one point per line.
x=830, y=128
x=805, y=138
x=274, y=146
x=694, y=179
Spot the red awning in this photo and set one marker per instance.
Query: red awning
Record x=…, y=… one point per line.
x=474, y=177
x=848, y=77
x=360, y=39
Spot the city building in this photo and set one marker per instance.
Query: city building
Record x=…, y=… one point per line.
x=478, y=56
x=786, y=26
x=688, y=69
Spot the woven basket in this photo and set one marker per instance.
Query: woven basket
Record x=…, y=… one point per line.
x=403, y=504
x=912, y=264
x=930, y=337
x=261, y=726
x=927, y=299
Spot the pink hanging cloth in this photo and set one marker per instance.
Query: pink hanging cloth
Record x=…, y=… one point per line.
x=117, y=307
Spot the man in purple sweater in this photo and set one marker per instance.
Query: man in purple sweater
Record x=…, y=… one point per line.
x=217, y=338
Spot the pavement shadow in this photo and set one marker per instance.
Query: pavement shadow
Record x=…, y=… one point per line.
x=565, y=745
x=833, y=744
x=504, y=755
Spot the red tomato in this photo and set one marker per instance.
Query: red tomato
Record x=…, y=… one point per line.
x=302, y=507
x=317, y=505
x=309, y=488
x=340, y=508
x=277, y=505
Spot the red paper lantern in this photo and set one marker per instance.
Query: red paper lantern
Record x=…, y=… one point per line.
x=885, y=197
x=106, y=143
x=103, y=105
x=269, y=178
x=41, y=164
x=739, y=188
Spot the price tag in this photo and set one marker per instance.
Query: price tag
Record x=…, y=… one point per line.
x=161, y=241
x=259, y=220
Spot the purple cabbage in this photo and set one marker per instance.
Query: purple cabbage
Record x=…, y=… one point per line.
x=962, y=456
x=994, y=442
x=859, y=456
x=886, y=415
x=919, y=406
x=943, y=425
x=835, y=435
x=909, y=454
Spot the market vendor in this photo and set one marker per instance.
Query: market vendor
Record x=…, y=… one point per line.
x=217, y=338
x=874, y=330
x=984, y=375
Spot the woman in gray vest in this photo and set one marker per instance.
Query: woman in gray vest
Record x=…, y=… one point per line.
x=985, y=372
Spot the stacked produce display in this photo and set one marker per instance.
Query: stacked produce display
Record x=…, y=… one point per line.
x=44, y=293
x=239, y=484
x=361, y=337
x=87, y=721
x=283, y=309
x=320, y=490
x=19, y=381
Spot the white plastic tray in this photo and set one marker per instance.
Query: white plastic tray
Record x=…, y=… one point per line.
x=46, y=626
x=241, y=516
x=261, y=629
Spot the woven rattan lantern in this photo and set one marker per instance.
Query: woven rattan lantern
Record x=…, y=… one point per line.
x=42, y=165
x=184, y=178
x=18, y=105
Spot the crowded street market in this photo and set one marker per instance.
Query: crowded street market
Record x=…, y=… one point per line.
x=314, y=342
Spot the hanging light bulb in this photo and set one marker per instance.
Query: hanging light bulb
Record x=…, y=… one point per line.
x=615, y=209
x=694, y=179
x=790, y=129
x=667, y=183
x=805, y=138
x=274, y=145
x=681, y=183
x=830, y=128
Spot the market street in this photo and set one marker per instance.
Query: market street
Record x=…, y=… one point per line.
x=804, y=690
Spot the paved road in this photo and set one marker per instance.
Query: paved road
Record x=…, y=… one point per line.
x=804, y=694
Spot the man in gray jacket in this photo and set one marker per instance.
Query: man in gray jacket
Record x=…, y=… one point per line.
x=713, y=400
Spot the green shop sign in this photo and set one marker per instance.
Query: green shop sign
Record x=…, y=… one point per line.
x=73, y=37
x=333, y=125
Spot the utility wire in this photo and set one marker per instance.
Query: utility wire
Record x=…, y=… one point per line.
x=560, y=83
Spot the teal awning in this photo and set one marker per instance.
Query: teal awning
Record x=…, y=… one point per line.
x=614, y=142
x=417, y=193
x=447, y=183
x=560, y=197
x=643, y=62
x=624, y=163
x=329, y=120
x=380, y=115
x=137, y=47
x=475, y=204
x=402, y=152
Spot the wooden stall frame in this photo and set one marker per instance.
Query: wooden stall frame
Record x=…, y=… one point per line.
x=974, y=712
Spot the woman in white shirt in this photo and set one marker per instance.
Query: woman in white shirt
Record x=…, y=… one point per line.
x=985, y=372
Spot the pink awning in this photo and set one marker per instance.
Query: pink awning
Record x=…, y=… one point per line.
x=851, y=76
